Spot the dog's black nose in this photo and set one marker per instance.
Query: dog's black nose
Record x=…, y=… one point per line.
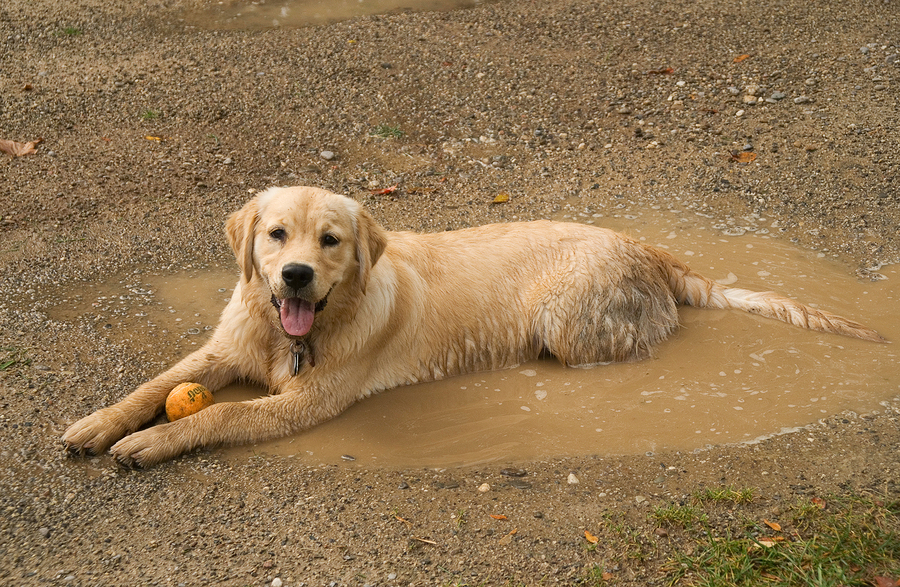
x=296, y=275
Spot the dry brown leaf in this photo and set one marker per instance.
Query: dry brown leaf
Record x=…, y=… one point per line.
x=591, y=538
x=886, y=582
x=407, y=522
x=498, y=516
x=606, y=576
x=743, y=157
x=501, y=199
x=425, y=540
x=773, y=525
x=740, y=58
x=18, y=149
x=385, y=191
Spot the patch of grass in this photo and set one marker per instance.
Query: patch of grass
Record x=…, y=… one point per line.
x=679, y=515
x=149, y=114
x=69, y=31
x=386, y=131
x=729, y=494
x=13, y=356
x=847, y=543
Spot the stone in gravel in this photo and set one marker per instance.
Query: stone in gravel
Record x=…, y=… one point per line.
x=327, y=155
x=348, y=457
x=519, y=484
x=484, y=488
x=802, y=100
x=276, y=582
x=44, y=532
x=513, y=472
x=572, y=479
x=778, y=96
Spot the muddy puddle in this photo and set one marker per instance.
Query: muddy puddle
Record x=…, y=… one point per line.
x=297, y=13
x=725, y=377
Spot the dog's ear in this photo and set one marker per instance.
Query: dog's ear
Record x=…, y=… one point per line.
x=370, y=243
x=241, y=231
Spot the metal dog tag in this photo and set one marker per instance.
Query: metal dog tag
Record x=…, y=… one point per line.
x=298, y=350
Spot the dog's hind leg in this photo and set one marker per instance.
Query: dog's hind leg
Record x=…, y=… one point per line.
x=606, y=323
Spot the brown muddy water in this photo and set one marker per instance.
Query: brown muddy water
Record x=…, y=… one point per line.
x=297, y=13
x=724, y=377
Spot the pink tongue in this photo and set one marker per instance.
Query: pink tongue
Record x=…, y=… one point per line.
x=297, y=316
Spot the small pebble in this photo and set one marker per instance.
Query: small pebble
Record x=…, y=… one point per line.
x=802, y=100
x=484, y=488
x=519, y=484
x=327, y=155
x=572, y=479
x=348, y=457
x=276, y=582
x=513, y=472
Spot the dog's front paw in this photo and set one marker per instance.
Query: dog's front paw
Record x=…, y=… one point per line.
x=149, y=447
x=95, y=433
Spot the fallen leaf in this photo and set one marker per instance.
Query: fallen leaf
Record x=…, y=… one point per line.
x=591, y=538
x=407, y=522
x=740, y=58
x=18, y=149
x=661, y=71
x=606, y=576
x=819, y=502
x=385, y=191
x=886, y=582
x=767, y=542
x=499, y=516
x=425, y=540
x=500, y=199
x=507, y=538
x=743, y=156
x=773, y=525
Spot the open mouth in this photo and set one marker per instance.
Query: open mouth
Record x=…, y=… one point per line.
x=297, y=314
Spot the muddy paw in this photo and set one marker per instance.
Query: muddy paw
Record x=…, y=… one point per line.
x=147, y=447
x=92, y=435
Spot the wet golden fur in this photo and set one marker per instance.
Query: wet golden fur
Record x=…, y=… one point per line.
x=404, y=308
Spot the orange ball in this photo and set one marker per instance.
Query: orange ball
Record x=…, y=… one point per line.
x=187, y=399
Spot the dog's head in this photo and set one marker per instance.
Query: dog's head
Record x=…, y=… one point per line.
x=304, y=243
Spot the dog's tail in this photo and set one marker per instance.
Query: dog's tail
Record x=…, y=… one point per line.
x=695, y=290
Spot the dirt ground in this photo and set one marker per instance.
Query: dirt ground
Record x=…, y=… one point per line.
x=154, y=130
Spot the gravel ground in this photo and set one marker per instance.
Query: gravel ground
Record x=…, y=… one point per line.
x=154, y=130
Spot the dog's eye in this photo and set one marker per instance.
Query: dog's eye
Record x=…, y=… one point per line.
x=329, y=240
x=278, y=234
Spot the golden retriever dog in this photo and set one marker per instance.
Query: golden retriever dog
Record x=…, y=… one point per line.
x=330, y=308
